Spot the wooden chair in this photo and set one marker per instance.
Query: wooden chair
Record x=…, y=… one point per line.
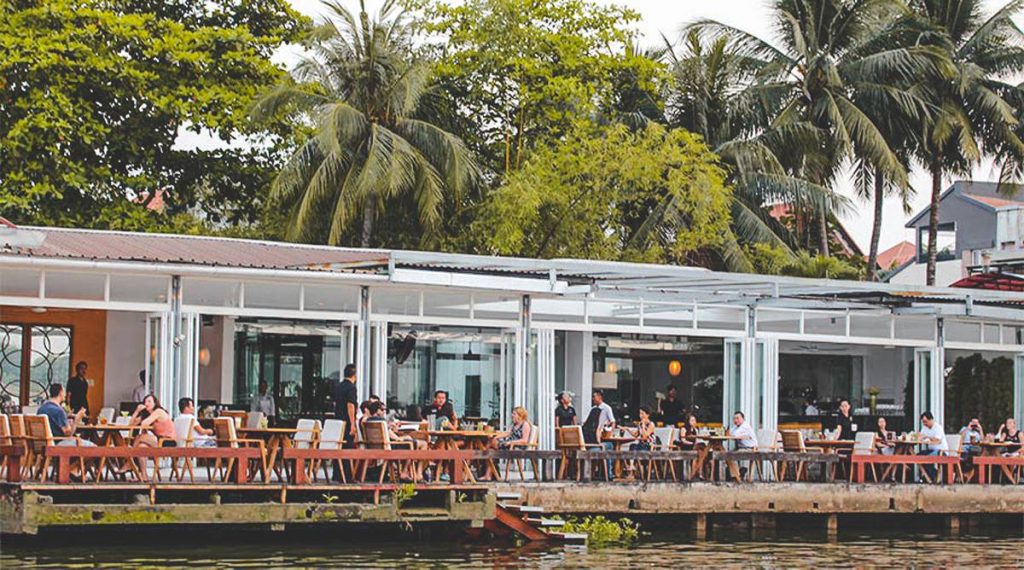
x=767, y=440
x=184, y=435
x=254, y=420
x=307, y=432
x=954, y=443
x=864, y=445
x=793, y=442
x=520, y=463
x=665, y=440
x=572, y=444
x=332, y=437
x=224, y=431
x=106, y=415
x=376, y=436
x=5, y=439
x=40, y=437
x=234, y=414
x=18, y=435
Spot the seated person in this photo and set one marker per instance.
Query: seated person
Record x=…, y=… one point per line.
x=519, y=434
x=1008, y=433
x=201, y=437
x=150, y=414
x=441, y=407
x=934, y=436
x=884, y=439
x=970, y=436
x=688, y=433
x=644, y=431
x=746, y=438
x=60, y=425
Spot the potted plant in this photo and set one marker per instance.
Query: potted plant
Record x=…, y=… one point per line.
x=873, y=392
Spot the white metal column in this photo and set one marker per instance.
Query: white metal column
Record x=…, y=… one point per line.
x=379, y=369
x=1018, y=389
x=545, y=420
x=928, y=369
x=767, y=368
x=364, y=346
x=188, y=385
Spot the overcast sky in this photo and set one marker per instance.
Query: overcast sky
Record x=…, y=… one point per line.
x=667, y=16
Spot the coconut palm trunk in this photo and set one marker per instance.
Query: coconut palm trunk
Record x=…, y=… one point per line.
x=876, y=228
x=933, y=224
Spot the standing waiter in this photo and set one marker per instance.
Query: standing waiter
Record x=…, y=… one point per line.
x=346, y=403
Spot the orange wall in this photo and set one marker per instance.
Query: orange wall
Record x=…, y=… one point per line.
x=88, y=340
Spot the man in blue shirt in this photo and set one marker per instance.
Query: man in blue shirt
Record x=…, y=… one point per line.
x=53, y=409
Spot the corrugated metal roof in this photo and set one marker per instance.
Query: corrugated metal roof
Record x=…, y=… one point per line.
x=196, y=250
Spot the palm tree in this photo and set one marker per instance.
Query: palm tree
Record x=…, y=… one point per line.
x=830, y=51
x=363, y=90
x=976, y=108
x=709, y=95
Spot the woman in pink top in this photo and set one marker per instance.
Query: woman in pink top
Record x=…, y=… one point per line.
x=149, y=414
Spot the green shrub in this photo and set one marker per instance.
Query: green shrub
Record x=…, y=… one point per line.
x=601, y=531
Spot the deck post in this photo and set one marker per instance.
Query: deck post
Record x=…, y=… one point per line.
x=952, y=525
x=700, y=527
x=300, y=471
x=832, y=526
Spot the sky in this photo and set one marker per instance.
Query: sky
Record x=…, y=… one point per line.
x=666, y=17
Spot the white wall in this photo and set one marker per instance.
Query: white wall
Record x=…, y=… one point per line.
x=125, y=355
x=946, y=273
x=216, y=378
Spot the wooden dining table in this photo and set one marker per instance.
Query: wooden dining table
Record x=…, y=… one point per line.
x=617, y=442
x=109, y=435
x=477, y=440
x=276, y=440
x=718, y=443
x=993, y=449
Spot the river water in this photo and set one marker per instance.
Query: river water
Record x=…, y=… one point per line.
x=658, y=550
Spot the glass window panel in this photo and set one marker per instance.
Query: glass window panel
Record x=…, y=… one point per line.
x=443, y=304
x=818, y=323
x=338, y=298
x=603, y=312
x=50, y=360
x=10, y=362
x=960, y=331
x=271, y=295
x=991, y=334
x=915, y=328
x=721, y=318
x=557, y=310
x=85, y=286
x=209, y=292
x=1013, y=334
x=139, y=289
x=874, y=326
x=19, y=283
x=662, y=315
x=778, y=321
x=392, y=301
x=504, y=307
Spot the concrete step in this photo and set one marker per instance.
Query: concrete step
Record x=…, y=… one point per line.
x=508, y=496
x=569, y=537
x=525, y=509
x=542, y=522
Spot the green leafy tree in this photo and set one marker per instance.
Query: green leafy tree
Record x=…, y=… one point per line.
x=653, y=195
x=977, y=105
x=828, y=53
x=519, y=73
x=364, y=91
x=710, y=94
x=93, y=94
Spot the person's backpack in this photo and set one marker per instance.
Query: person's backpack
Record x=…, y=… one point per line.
x=590, y=426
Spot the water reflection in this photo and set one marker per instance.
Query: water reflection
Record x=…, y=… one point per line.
x=656, y=551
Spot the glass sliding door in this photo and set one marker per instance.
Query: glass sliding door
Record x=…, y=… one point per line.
x=732, y=380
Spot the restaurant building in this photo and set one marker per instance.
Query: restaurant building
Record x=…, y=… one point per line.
x=212, y=317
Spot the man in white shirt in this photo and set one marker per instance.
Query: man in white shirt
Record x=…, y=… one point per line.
x=934, y=436
x=265, y=403
x=140, y=391
x=201, y=437
x=742, y=430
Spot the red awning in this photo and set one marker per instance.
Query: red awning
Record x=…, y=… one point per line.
x=994, y=281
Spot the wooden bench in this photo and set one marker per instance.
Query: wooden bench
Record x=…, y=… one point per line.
x=985, y=462
x=589, y=456
x=12, y=454
x=459, y=459
x=240, y=455
x=859, y=461
x=795, y=457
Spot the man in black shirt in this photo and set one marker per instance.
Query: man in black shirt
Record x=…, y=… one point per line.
x=442, y=408
x=565, y=414
x=346, y=402
x=78, y=389
x=671, y=408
